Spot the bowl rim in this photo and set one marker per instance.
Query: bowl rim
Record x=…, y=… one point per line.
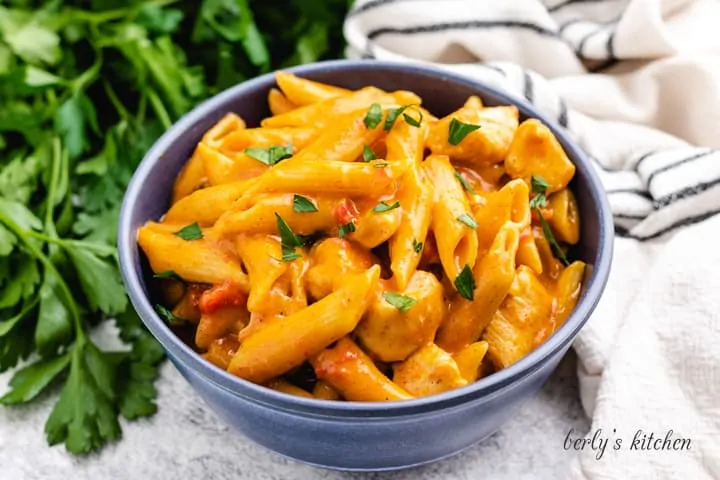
x=178, y=351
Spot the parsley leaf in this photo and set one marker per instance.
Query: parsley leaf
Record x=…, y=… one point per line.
x=368, y=154
x=303, y=204
x=271, y=155
x=383, y=207
x=468, y=220
x=347, y=229
x=380, y=164
x=459, y=130
x=465, y=184
x=465, y=283
x=168, y=274
x=30, y=381
x=190, y=232
x=417, y=246
x=139, y=368
x=287, y=237
x=99, y=280
x=401, y=302
x=551, y=239
x=394, y=113
x=84, y=417
x=539, y=184
x=374, y=116
x=167, y=315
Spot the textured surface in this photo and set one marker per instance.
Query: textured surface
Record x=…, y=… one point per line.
x=186, y=440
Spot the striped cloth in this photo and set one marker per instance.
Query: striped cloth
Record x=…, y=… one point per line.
x=637, y=84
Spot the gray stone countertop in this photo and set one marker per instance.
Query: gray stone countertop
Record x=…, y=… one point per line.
x=185, y=440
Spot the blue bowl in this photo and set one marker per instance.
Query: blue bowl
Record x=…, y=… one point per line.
x=360, y=436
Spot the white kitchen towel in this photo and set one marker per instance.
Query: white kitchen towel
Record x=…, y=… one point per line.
x=637, y=84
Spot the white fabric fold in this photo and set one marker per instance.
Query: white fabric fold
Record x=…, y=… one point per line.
x=637, y=84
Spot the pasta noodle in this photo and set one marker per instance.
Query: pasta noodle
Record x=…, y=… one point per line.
x=353, y=246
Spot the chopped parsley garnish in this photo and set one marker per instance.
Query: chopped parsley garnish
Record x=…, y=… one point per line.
x=190, y=232
x=303, y=204
x=401, y=302
x=551, y=239
x=539, y=187
x=539, y=184
x=417, y=246
x=459, y=130
x=271, y=155
x=465, y=283
x=394, y=113
x=289, y=241
x=381, y=164
x=368, y=154
x=468, y=220
x=168, y=274
x=167, y=315
x=347, y=229
x=374, y=116
x=383, y=207
x=465, y=184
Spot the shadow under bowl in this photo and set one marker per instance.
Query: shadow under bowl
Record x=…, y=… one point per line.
x=360, y=436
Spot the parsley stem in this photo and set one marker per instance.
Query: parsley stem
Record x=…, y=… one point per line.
x=117, y=14
x=52, y=187
x=160, y=110
x=68, y=242
x=80, y=334
x=119, y=107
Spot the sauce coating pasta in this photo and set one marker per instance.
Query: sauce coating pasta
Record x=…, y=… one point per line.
x=355, y=247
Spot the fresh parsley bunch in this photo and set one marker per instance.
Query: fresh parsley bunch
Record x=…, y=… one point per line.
x=86, y=86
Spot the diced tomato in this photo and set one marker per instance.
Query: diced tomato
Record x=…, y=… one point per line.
x=227, y=294
x=346, y=212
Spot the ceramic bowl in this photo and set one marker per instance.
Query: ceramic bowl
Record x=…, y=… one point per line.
x=359, y=435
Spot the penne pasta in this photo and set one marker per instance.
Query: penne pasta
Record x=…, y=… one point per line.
x=281, y=385
x=523, y=315
x=302, y=91
x=287, y=343
x=469, y=360
x=353, y=232
x=278, y=103
x=194, y=261
x=371, y=179
x=452, y=223
x=206, y=205
x=261, y=217
x=494, y=275
x=266, y=137
x=354, y=375
x=406, y=246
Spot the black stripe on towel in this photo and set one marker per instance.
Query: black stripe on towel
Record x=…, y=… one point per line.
x=642, y=159
x=563, y=115
x=528, y=88
x=629, y=216
x=494, y=68
x=564, y=4
x=633, y=191
x=466, y=25
x=678, y=163
x=609, y=63
x=686, y=192
x=685, y=222
x=369, y=6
